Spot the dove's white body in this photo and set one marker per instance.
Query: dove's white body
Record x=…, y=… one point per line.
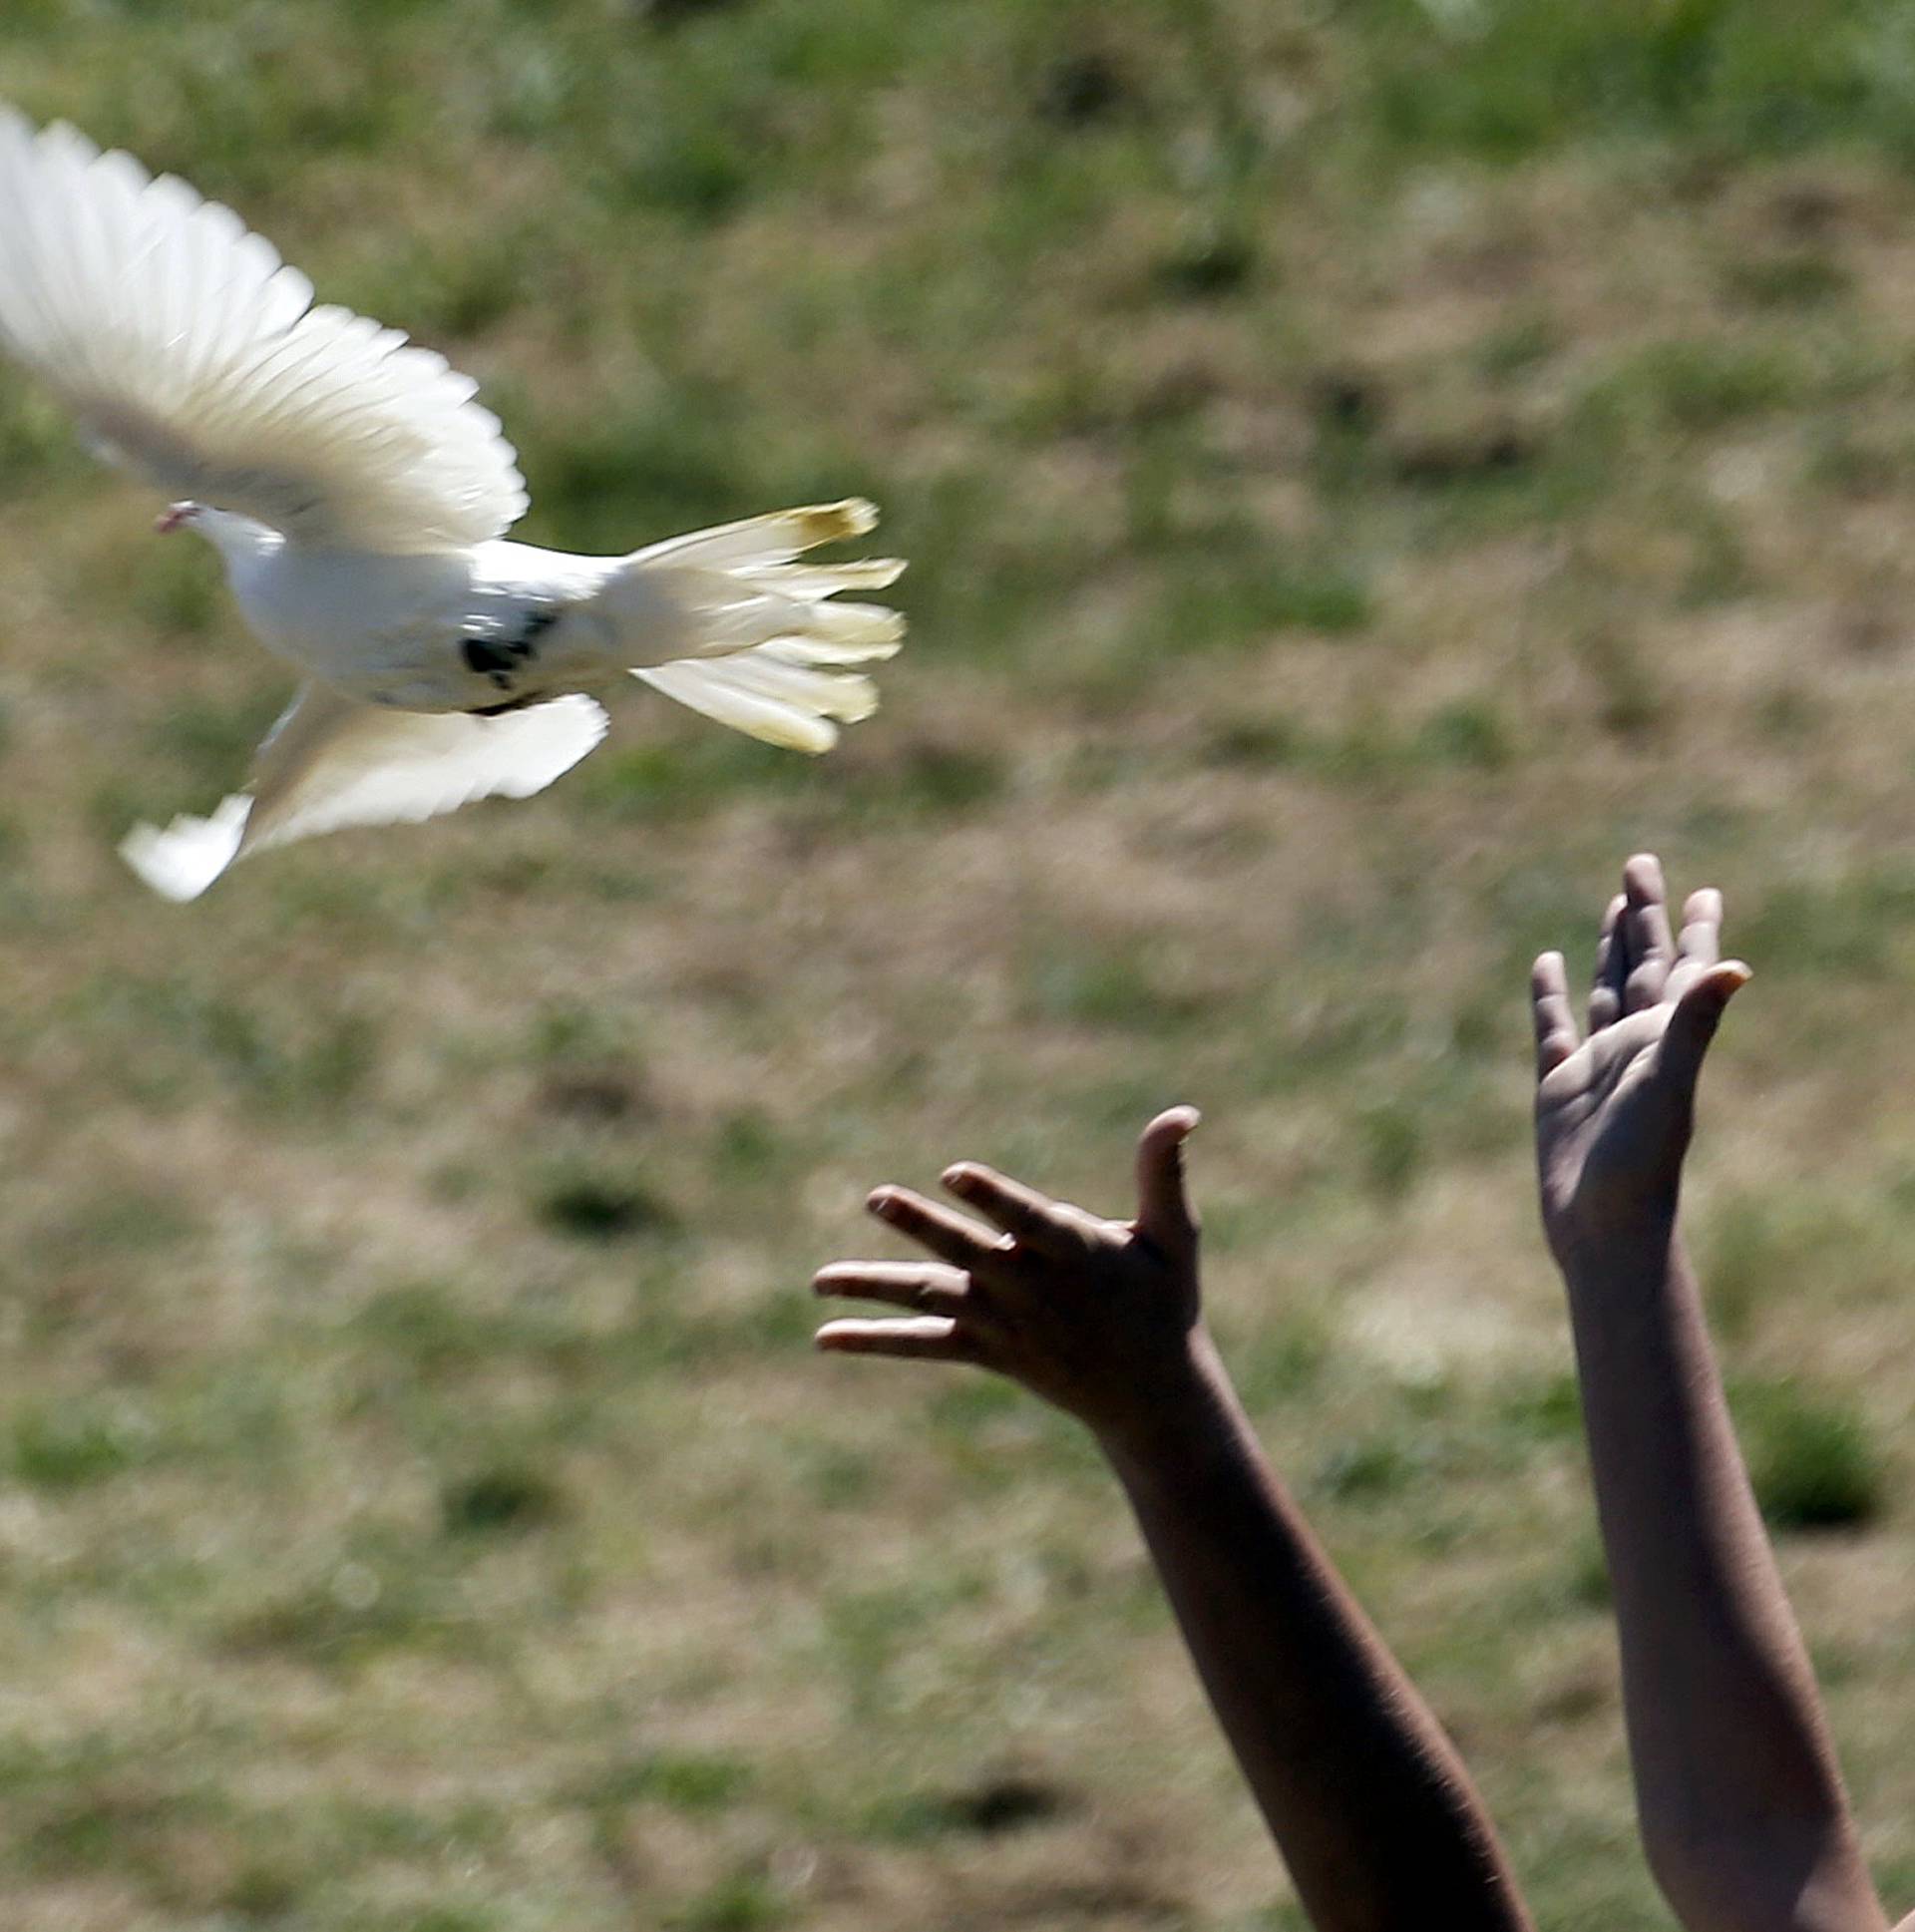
x=404, y=632
x=360, y=499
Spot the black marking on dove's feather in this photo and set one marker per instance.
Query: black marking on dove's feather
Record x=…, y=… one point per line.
x=485, y=660
x=495, y=657
x=491, y=661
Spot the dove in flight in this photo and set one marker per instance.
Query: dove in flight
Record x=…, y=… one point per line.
x=359, y=498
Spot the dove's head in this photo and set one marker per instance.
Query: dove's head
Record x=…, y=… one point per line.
x=237, y=538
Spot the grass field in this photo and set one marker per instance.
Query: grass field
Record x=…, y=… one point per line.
x=1368, y=467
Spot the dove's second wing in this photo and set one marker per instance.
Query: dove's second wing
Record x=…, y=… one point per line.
x=331, y=763
x=192, y=355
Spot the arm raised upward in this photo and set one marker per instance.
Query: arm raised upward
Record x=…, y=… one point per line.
x=1366, y=1798
x=1742, y=1811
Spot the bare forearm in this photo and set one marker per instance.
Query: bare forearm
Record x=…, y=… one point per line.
x=1370, y=1805
x=1736, y=1775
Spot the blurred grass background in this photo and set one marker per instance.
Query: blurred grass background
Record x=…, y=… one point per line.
x=1367, y=467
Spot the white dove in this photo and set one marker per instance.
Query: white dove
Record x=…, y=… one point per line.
x=360, y=497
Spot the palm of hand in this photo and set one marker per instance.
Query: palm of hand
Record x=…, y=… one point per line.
x=1608, y=1131
x=1613, y=1109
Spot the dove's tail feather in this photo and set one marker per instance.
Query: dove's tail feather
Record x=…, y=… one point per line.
x=763, y=650
x=768, y=694
x=774, y=540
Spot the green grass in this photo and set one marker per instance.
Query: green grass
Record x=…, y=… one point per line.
x=1811, y=1459
x=1363, y=472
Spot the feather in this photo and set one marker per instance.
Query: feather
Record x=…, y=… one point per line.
x=772, y=539
x=192, y=355
x=765, y=697
x=331, y=763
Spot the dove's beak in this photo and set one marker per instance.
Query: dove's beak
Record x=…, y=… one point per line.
x=172, y=517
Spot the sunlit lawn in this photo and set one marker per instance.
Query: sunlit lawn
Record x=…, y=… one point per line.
x=1364, y=471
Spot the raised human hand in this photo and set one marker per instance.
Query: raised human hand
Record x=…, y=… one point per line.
x=1614, y=1109
x=1099, y=1318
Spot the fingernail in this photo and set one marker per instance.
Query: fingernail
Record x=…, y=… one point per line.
x=881, y=1202
x=958, y=1179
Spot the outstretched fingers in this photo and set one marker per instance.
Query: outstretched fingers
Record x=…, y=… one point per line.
x=920, y=1338
x=1611, y=969
x=1647, y=943
x=1032, y=1220
x=955, y=1238
x=1701, y=939
x=928, y=1286
x=1698, y=945
x=1550, y=1009
x=944, y=1304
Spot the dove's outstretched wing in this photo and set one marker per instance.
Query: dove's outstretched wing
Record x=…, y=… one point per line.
x=331, y=763
x=193, y=355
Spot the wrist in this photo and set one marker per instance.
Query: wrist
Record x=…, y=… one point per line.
x=1637, y=1244
x=1189, y=1415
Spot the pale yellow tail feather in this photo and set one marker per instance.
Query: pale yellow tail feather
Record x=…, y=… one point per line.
x=760, y=540
x=763, y=643
x=767, y=699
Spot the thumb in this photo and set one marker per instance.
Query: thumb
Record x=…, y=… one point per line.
x=1698, y=1013
x=1164, y=1215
